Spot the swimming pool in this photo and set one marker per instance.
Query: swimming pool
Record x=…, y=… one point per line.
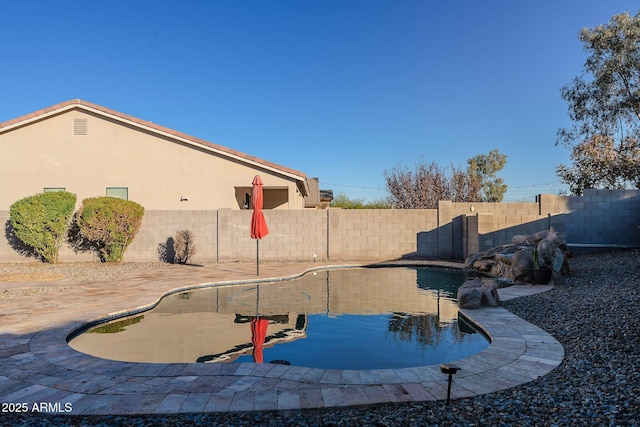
x=356, y=318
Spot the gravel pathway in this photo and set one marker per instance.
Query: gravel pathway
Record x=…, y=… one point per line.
x=592, y=312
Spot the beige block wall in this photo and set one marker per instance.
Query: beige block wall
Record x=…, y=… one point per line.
x=495, y=224
x=377, y=233
x=451, y=232
x=160, y=226
x=223, y=235
x=294, y=234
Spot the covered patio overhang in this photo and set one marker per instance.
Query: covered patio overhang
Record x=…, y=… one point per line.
x=275, y=197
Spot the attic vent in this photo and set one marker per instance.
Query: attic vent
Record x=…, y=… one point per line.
x=79, y=126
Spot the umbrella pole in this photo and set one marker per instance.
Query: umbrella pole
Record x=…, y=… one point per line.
x=257, y=257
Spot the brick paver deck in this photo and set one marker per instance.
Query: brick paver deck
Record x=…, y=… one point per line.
x=38, y=367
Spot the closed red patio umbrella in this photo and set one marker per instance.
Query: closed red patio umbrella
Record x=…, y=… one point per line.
x=259, y=227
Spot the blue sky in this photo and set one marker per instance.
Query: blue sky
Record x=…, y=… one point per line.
x=341, y=90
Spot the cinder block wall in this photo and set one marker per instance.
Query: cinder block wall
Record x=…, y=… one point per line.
x=378, y=233
x=454, y=230
x=604, y=217
x=466, y=228
x=160, y=227
x=293, y=235
x=599, y=217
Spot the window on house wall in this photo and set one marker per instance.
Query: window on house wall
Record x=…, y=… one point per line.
x=49, y=189
x=80, y=126
x=120, y=192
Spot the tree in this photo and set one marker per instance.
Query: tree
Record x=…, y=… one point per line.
x=604, y=105
x=601, y=163
x=483, y=168
x=428, y=184
x=42, y=221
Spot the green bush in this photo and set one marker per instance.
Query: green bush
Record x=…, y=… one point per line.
x=41, y=221
x=110, y=224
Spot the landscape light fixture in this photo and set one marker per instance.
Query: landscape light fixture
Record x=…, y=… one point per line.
x=450, y=370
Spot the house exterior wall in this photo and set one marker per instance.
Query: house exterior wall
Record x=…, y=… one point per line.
x=453, y=231
x=159, y=171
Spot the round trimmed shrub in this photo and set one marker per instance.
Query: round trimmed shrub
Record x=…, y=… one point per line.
x=41, y=221
x=110, y=224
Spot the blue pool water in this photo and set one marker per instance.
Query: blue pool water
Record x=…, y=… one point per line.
x=381, y=342
x=369, y=318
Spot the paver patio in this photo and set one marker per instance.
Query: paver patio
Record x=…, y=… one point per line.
x=38, y=366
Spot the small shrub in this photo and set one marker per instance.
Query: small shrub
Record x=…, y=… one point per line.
x=41, y=221
x=110, y=224
x=184, y=246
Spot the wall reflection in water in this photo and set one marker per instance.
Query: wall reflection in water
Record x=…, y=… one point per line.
x=367, y=318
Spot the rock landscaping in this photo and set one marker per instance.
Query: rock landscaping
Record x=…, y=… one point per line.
x=517, y=261
x=477, y=292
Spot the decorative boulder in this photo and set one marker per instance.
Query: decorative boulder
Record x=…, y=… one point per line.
x=490, y=296
x=521, y=265
x=514, y=261
x=559, y=262
x=469, y=298
x=475, y=293
x=495, y=262
x=546, y=249
x=520, y=239
x=551, y=252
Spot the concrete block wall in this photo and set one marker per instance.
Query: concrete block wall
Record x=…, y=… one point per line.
x=293, y=235
x=604, y=217
x=485, y=225
x=471, y=241
x=454, y=230
x=378, y=233
x=232, y=225
x=158, y=227
x=598, y=218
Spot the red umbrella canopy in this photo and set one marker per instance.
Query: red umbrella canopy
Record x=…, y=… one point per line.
x=259, y=227
x=258, y=334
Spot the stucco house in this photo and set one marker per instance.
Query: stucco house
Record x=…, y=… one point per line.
x=93, y=151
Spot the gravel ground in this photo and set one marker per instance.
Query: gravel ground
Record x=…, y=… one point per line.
x=72, y=271
x=40, y=276
x=592, y=312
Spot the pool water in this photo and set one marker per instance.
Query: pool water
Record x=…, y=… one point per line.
x=364, y=318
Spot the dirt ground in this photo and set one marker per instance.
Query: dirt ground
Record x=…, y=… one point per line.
x=30, y=277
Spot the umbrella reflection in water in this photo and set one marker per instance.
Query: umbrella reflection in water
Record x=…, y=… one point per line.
x=258, y=334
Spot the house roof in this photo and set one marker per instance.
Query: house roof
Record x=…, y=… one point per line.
x=78, y=104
